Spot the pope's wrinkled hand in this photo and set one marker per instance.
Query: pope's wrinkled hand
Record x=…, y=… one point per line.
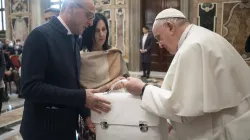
x=95, y=103
x=134, y=86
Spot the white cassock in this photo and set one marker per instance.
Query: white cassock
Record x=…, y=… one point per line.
x=205, y=93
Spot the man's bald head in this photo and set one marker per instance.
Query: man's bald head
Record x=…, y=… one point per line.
x=78, y=14
x=66, y=3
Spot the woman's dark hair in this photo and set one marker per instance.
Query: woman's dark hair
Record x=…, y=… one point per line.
x=88, y=36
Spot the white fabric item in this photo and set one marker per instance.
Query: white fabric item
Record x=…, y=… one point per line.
x=170, y=13
x=206, y=81
x=144, y=38
x=124, y=119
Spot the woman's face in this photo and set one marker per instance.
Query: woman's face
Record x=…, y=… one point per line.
x=100, y=33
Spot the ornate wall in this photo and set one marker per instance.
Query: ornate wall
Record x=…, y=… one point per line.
x=18, y=15
x=32, y=16
x=230, y=18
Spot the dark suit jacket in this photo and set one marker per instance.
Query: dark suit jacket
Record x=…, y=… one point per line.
x=146, y=57
x=50, y=84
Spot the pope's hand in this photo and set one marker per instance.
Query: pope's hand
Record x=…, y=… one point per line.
x=134, y=86
x=95, y=103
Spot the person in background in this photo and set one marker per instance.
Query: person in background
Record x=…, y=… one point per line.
x=2, y=69
x=18, y=47
x=145, y=50
x=50, y=12
x=9, y=47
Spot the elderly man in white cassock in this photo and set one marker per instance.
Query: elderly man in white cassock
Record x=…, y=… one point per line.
x=205, y=93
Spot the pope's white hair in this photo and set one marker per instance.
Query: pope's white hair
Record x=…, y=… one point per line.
x=175, y=20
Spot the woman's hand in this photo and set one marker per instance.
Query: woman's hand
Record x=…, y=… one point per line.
x=107, y=86
x=169, y=127
x=90, y=124
x=118, y=86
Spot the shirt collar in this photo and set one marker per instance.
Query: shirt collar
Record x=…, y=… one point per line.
x=184, y=35
x=64, y=24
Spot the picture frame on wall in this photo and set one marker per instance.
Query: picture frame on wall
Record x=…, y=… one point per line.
x=106, y=2
x=20, y=27
x=19, y=6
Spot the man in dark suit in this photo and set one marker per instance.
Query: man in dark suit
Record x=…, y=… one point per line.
x=145, y=50
x=50, y=76
x=50, y=12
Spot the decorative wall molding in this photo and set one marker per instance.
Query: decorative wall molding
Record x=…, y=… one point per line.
x=18, y=20
x=237, y=4
x=235, y=23
x=117, y=2
x=207, y=15
x=120, y=29
x=134, y=10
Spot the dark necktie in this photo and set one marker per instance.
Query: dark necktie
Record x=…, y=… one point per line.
x=76, y=51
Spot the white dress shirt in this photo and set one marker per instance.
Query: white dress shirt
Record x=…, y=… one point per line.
x=144, y=38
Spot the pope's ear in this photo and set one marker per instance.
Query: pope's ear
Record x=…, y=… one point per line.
x=171, y=26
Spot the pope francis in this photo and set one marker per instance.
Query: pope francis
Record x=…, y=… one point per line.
x=206, y=91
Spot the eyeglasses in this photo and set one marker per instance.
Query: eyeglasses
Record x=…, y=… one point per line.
x=89, y=15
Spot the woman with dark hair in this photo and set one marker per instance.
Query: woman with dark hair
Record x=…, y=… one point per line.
x=101, y=66
x=95, y=38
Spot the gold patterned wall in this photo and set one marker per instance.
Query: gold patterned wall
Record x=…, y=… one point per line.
x=232, y=20
x=236, y=24
x=116, y=11
x=18, y=15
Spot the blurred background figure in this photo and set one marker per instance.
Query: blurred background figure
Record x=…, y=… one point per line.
x=50, y=12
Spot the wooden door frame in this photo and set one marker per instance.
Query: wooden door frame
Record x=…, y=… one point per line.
x=135, y=9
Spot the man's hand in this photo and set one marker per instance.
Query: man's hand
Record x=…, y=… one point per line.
x=134, y=86
x=143, y=51
x=95, y=103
